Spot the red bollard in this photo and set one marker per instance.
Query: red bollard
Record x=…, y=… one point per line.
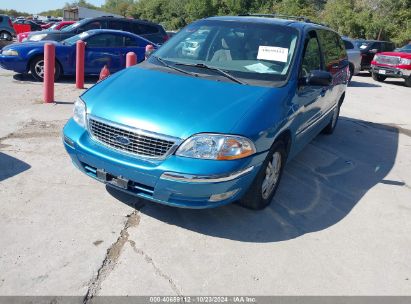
x=80, y=50
x=131, y=59
x=49, y=62
x=149, y=50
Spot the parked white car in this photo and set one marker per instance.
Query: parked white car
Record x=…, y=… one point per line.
x=354, y=56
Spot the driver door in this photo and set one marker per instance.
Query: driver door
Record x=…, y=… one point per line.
x=309, y=100
x=103, y=49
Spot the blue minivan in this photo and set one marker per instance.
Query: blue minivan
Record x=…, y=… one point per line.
x=212, y=116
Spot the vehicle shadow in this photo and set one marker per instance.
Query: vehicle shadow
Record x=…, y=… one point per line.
x=88, y=80
x=399, y=82
x=357, y=84
x=319, y=188
x=10, y=166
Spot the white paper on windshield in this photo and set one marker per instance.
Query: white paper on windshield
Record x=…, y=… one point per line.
x=364, y=46
x=258, y=68
x=272, y=53
x=83, y=35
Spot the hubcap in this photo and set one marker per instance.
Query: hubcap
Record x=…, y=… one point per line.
x=6, y=36
x=39, y=68
x=272, y=173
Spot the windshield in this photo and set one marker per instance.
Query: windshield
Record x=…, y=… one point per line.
x=73, y=26
x=256, y=51
x=74, y=39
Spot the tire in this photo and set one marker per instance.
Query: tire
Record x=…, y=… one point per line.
x=256, y=198
x=37, y=69
x=377, y=77
x=408, y=81
x=329, y=129
x=6, y=35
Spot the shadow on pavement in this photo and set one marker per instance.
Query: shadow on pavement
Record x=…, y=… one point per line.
x=89, y=80
x=399, y=82
x=319, y=188
x=357, y=84
x=10, y=166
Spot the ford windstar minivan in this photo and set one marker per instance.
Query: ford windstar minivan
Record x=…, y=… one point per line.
x=212, y=116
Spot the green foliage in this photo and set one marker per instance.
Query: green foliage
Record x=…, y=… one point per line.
x=371, y=19
x=13, y=13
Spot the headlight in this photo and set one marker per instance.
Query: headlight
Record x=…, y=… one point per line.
x=10, y=53
x=37, y=37
x=79, y=112
x=405, y=61
x=375, y=58
x=216, y=146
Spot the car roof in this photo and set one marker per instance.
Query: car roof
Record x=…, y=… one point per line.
x=268, y=19
x=366, y=40
x=122, y=19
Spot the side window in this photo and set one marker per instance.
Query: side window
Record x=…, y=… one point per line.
x=331, y=48
x=129, y=41
x=115, y=25
x=105, y=40
x=377, y=46
x=145, y=29
x=1, y=19
x=94, y=25
x=312, y=57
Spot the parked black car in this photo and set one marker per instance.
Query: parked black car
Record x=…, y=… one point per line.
x=369, y=48
x=149, y=30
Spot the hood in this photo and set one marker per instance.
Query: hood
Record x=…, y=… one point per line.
x=172, y=104
x=28, y=45
x=50, y=35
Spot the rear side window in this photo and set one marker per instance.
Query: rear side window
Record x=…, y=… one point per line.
x=332, y=48
x=1, y=19
x=105, y=40
x=348, y=45
x=388, y=47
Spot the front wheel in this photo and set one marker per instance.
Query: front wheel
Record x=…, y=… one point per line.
x=329, y=129
x=265, y=184
x=6, y=36
x=37, y=69
x=377, y=77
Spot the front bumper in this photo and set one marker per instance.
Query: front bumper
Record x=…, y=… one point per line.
x=390, y=71
x=175, y=181
x=13, y=63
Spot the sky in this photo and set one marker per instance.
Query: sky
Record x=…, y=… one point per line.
x=36, y=6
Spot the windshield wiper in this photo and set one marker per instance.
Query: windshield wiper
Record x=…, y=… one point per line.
x=220, y=71
x=173, y=67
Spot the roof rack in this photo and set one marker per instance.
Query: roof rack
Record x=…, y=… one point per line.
x=282, y=16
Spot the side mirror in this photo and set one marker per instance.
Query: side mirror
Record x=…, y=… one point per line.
x=319, y=78
x=373, y=51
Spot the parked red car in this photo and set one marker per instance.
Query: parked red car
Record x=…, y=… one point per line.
x=392, y=64
x=56, y=26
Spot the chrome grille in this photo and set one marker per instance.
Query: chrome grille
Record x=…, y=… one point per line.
x=139, y=142
x=391, y=60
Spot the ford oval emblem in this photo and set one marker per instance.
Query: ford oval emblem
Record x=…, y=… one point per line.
x=122, y=140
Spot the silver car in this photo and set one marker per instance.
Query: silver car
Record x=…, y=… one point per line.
x=354, y=56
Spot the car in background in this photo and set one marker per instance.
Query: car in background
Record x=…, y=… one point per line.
x=223, y=124
x=392, y=65
x=149, y=30
x=58, y=26
x=404, y=49
x=369, y=48
x=354, y=56
x=7, y=31
x=103, y=47
x=33, y=25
